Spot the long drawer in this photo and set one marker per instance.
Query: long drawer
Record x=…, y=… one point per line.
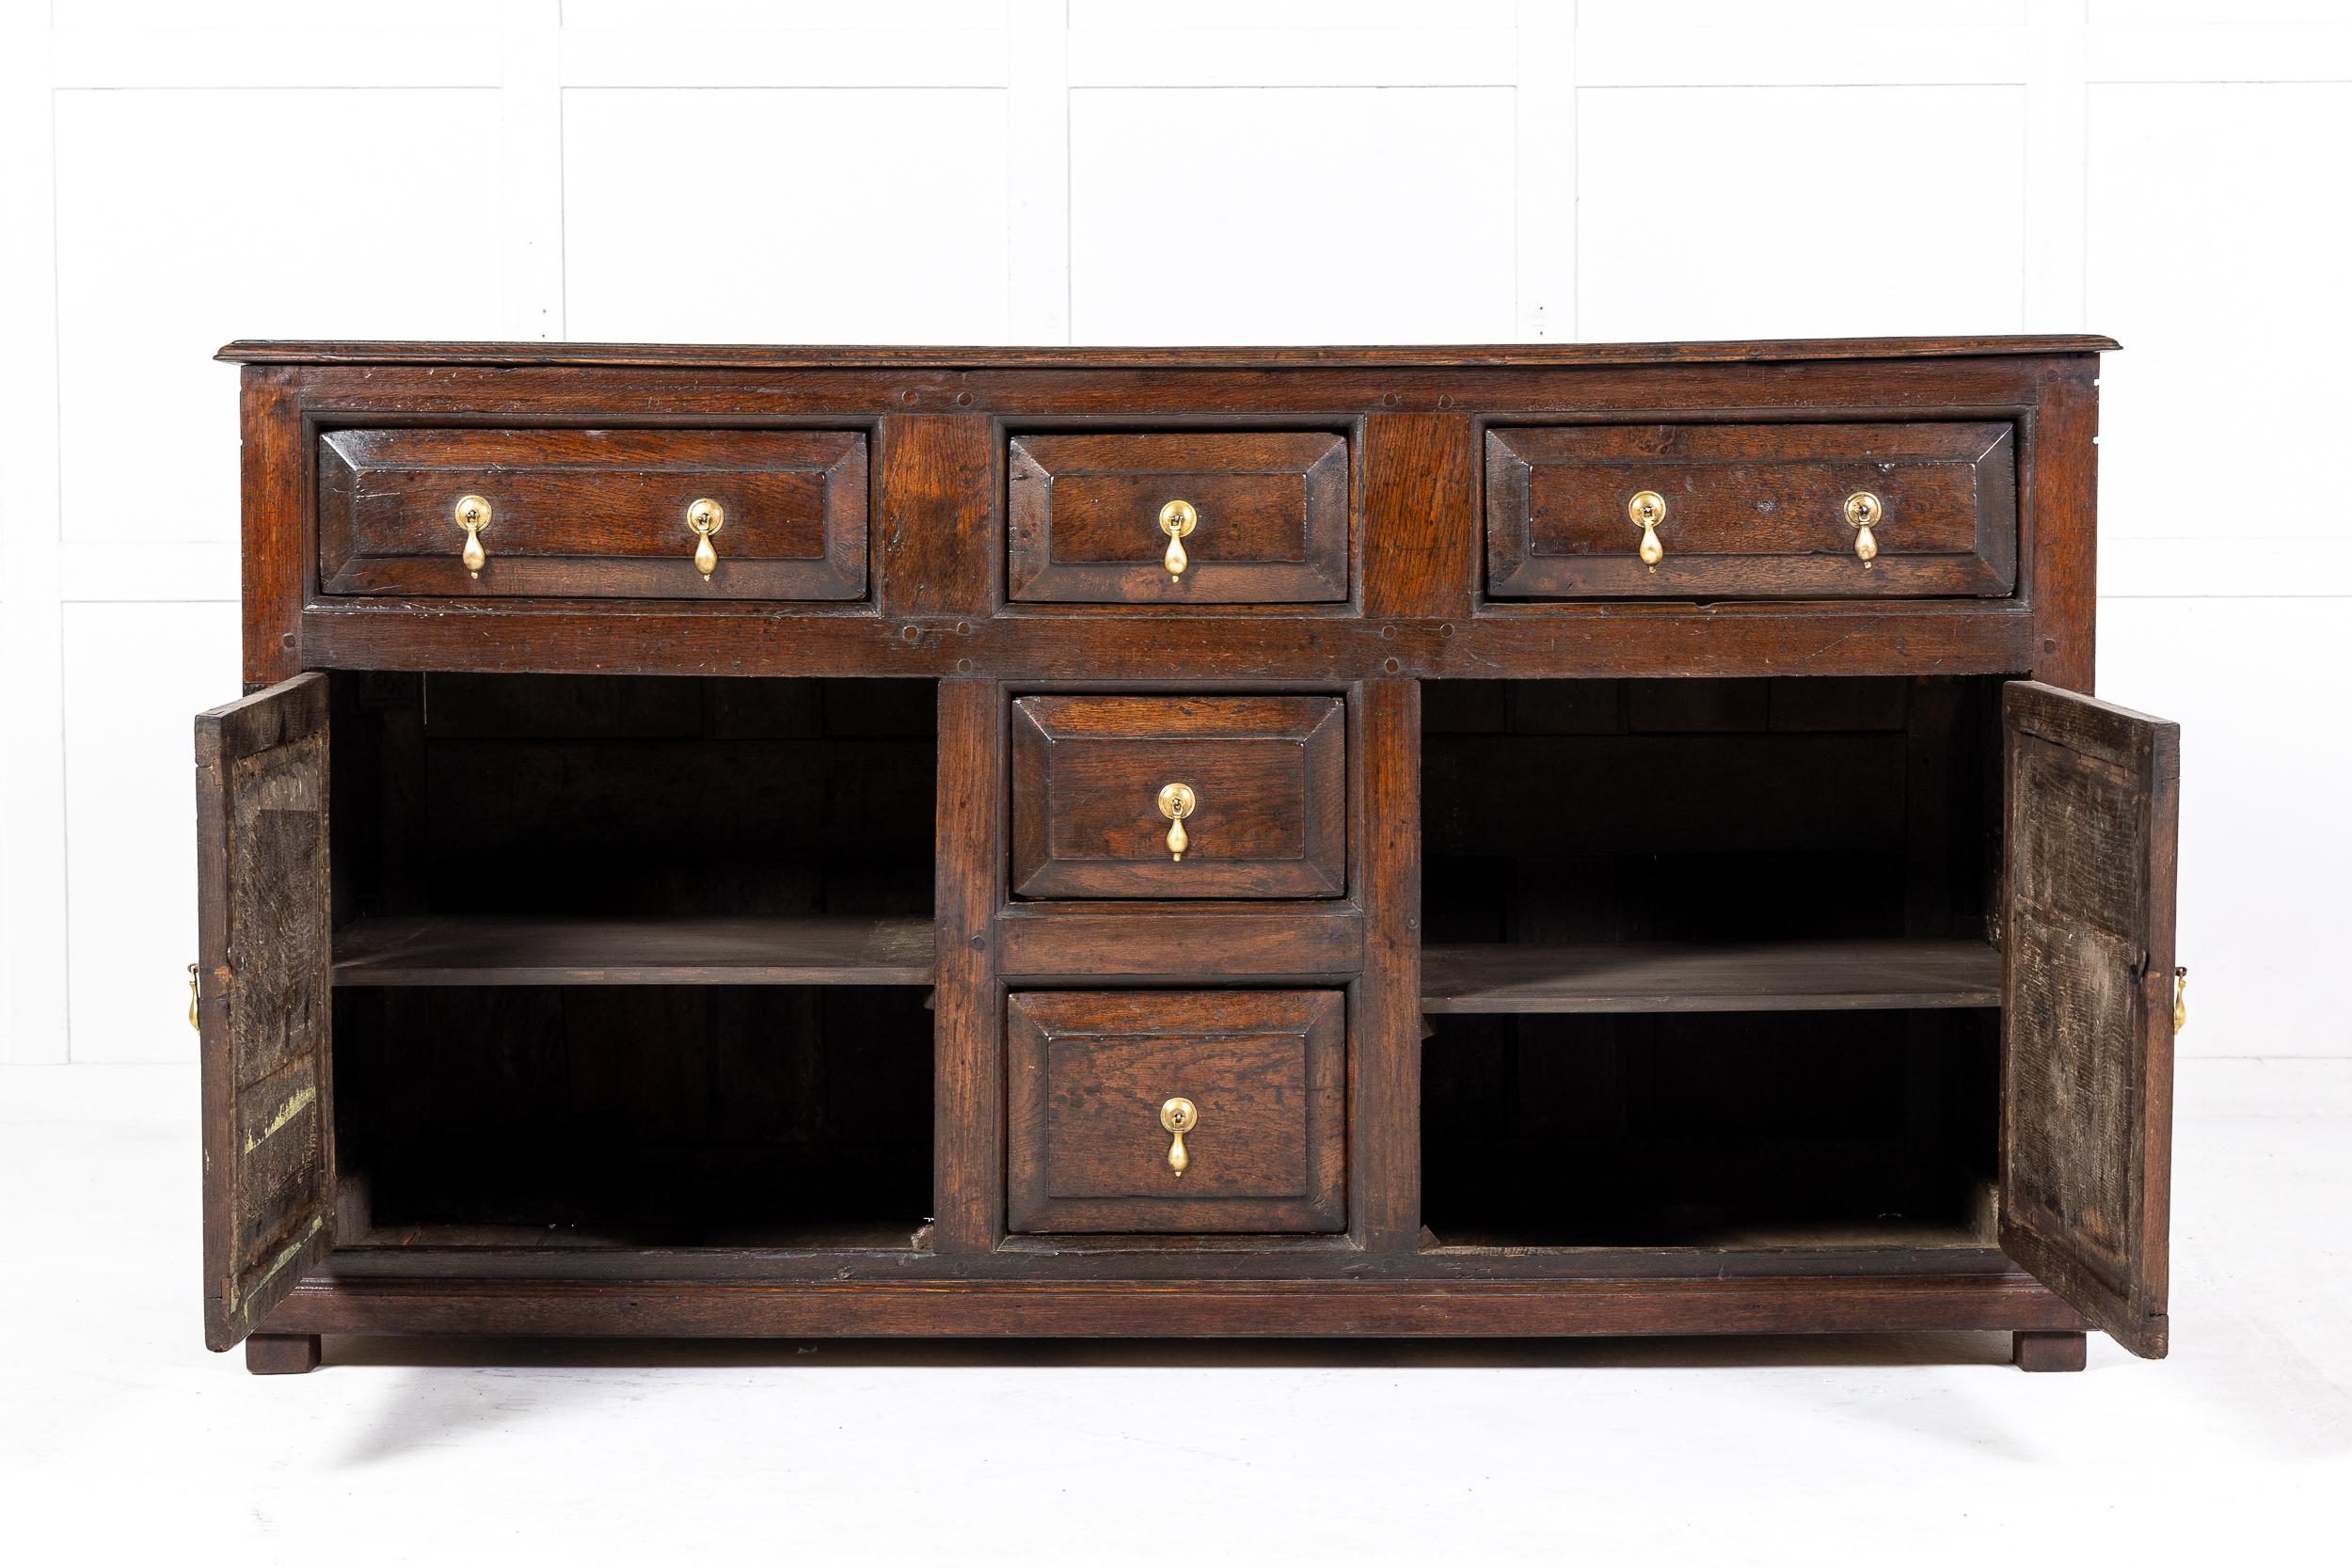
x=1752, y=511
x=594, y=513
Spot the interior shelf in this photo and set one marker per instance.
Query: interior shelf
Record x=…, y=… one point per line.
x=1710, y=977
x=1891, y=1233
x=906, y=1234
x=760, y=950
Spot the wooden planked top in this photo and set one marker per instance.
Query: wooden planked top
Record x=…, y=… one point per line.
x=1713, y=977
x=755, y=950
x=252, y=350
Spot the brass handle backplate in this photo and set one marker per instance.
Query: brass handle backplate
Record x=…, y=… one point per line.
x=1176, y=804
x=1178, y=1115
x=1648, y=509
x=704, y=518
x=473, y=516
x=1177, y=519
x=1865, y=511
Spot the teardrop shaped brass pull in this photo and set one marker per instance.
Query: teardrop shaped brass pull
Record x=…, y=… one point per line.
x=1648, y=509
x=2180, y=999
x=1176, y=521
x=1178, y=1115
x=193, y=994
x=1863, y=511
x=704, y=518
x=1176, y=804
x=473, y=516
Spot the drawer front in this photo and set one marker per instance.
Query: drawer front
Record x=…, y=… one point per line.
x=1093, y=1077
x=1265, y=781
x=1268, y=517
x=1752, y=511
x=599, y=513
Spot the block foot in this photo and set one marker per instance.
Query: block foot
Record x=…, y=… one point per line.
x=268, y=1355
x=2049, y=1352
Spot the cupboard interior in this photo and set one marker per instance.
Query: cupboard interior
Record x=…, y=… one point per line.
x=1852, y=1129
x=626, y=1116
x=1711, y=814
x=1710, y=962
x=645, y=797
x=653, y=841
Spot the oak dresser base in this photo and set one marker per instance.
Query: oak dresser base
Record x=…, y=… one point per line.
x=1512, y=842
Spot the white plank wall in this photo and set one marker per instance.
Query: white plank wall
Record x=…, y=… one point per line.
x=174, y=173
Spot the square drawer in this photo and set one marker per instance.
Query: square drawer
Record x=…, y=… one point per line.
x=1264, y=796
x=1267, y=511
x=1093, y=1077
x=594, y=514
x=1753, y=511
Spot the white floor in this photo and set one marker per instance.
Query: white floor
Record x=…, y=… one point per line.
x=122, y=1440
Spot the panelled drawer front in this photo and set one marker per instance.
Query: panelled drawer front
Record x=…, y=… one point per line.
x=1268, y=783
x=1092, y=1073
x=1752, y=511
x=594, y=512
x=1269, y=507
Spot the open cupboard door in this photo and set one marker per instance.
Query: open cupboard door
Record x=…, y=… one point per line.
x=2093, y=825
x=263, y=999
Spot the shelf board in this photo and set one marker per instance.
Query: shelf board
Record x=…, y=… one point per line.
x=1710, y=977
x=843, y=1235
x=1894, y=1234
x=518, y=950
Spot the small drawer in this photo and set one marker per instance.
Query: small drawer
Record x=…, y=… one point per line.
x=1176, y=1110
x=1752, y=511
x=594, y=514
x=1179, y=797
x=1207, y=517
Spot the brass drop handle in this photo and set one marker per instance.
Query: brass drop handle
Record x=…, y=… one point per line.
x=704, y=518
x=1863, y=511
x=192, y=998
x=1179, y=1117
x=2180, y=1004
x=1648, y=509
x=473, y=516
x=1176, y=521
x=1176, y=804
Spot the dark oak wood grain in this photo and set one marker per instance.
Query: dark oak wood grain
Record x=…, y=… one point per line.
x=871, y=1255
x=2043, y=1351
x=1268, y=776
x=257, y=350
x=594, y=513
x=1752, y=511
x=709, y=950
x=1535, y=641
x=1416, y=467
x=938, y=546
x=2094, y=833
x=1182, y=1307
x=1670, y=977
x=968, y=1159
x=1244, y=940
x=1271, y=517
x=277, y=1354
x=261, y=811
x=1384, y=1088
x=274, y=462
x=1087, y=1073
x=1642, y=1003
